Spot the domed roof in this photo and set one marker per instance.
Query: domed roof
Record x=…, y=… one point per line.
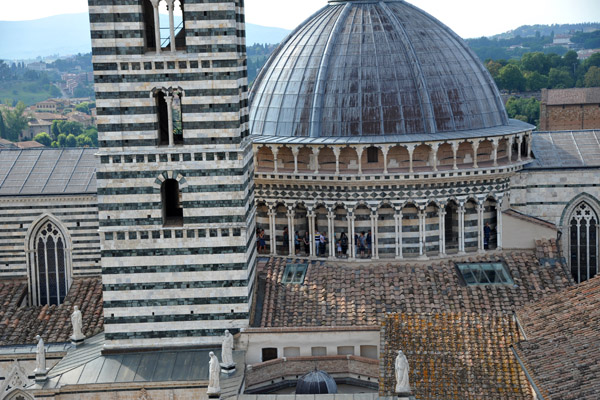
x=316, y=382
x=366, y=68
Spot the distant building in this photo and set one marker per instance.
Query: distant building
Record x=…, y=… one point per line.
x=562, y=40
x=570, y=109
x=585, y=54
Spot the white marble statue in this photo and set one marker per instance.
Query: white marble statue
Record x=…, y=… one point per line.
x=77, y=321
x=227, y=350
x=402, y=384
x=40, y=357
x=214, y=371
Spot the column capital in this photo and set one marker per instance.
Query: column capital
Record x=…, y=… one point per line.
x=410, y=147
x=336, y=150
x=435, y=145
x=155, y=3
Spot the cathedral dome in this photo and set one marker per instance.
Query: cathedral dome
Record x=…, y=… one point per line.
x=316, y=382
x=368, y=68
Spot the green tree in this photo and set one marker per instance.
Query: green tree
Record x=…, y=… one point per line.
x=83, y=107
x=536, y=81
x=527, y=110
x=511, y=78
x=2, y=126
x=62, y=140
x=71, y=141
x=92, y=133
x=536, y=62
x=43, y=138
x=84, y=141
x=15, y=121
x=494, y=68
x=560, y=79
x=594, y=60
x=55, y=128
x=592, y=77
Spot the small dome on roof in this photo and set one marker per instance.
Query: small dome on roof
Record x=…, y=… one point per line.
x=316, y=382
x=373, y=68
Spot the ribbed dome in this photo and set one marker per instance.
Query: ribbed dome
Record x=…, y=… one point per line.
x=365, y=68
x=316, y=382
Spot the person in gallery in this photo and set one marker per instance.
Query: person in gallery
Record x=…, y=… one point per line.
x=487, y=232
x=306, y=242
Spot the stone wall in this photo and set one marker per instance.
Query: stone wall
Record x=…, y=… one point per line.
x=292, y=367
x=569, y=117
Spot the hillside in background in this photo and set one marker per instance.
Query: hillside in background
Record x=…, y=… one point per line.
x=546, y=30
x=70, y=34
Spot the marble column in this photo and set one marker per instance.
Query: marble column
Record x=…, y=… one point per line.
x=374, y=235
x=442, y=232
x=411, y=149
x=275, y=150
x=336, y=153
x=170, y=5
x=292, y=245
x=272, y=232
x=434, y=156
x=295, y=152
x=318, y=149
x=495, y=151
x=385, y=150
x=499, y=224
x=519, y=143
x=169, y=100
x=331, y=233
x=351, y=238
x=311, y=229
x=398, y=223
x=156, y=25
x=509, y=147
x=359, y=151
x=422, y=233
x=455, y=154
x=480, y=210
x=475, y=149
x=461, y=228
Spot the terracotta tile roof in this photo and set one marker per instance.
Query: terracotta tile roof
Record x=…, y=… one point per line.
x=29, y=144
x=350, y=295
x=19, y=323
x=454, y=356
x=562, y=349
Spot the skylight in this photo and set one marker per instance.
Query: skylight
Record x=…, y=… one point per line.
x=294, y=273
x=485, y=274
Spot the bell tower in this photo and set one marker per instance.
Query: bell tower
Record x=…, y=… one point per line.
x=175, y=188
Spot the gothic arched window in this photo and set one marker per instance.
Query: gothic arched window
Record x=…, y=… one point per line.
x=50, y=274
x=583, y=246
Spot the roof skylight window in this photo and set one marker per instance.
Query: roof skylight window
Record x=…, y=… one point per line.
x=485, y=274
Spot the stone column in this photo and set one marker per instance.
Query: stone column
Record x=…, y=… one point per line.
x=359, y=151
x=318, y=149
x=170, y=5
x=156, y=25
x=311, y=230
x=275, y=150
x=351, y=238
x=336, y=152
x=374, y=235
x=272, y=232
x=411, y=149
x=499, y=224
x=331, y=233
x=434, y=157
x=398, y=221
x=528, y=140
x=461, y=228
x=292, y=244
x=480, y=210
x=442, y=233
x=454, y=154
x=385, y=150
x=475, y=149
x=495, y=151
x=422, y=233
x=169, y=100
x=509, y=144
x=519, y=143
x=295, y=152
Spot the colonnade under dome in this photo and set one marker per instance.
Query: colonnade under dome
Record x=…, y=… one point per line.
x=434, y=228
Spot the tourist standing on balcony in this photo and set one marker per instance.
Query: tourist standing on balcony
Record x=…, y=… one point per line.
x=297, y=242
x=369, y=241
x=306, y=242
x=286, y=240
x=487, y=232
x=344, y=243
x=317, y=242
x=362, y=244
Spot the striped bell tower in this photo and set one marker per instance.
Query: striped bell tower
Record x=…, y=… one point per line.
x=175, y=188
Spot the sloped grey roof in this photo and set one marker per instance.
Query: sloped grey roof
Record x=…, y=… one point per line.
x=86, y=365
x=47, y=171
x=372, y=68
x=566, y=149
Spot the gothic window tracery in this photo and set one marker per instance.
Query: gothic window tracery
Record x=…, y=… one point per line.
x=50, y=271
x=583, y=246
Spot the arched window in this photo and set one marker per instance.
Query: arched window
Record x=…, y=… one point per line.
x=170, y=116
x=172, y=211
x=50, y=275
x=164, y=24
x=583, y=246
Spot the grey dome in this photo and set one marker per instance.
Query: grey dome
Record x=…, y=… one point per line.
x=366, y=68
x=316, y=382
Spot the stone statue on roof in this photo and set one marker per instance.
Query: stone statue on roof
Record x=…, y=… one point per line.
x=40, y=357
x=214, y=372
x=227, y=350
x=401, y=366
x=77, y=321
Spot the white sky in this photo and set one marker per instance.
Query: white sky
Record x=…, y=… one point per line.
x=469, y=18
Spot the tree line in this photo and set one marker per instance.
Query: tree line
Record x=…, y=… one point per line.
x=536, y=71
